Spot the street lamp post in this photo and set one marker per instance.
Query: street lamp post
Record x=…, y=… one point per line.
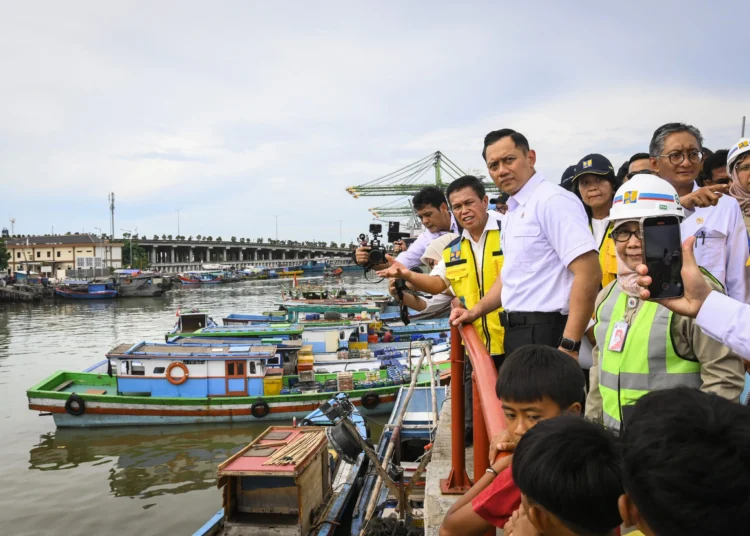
x=341, y=234
x=277, y=227
x=131, y=244
x=101, y=241
x=178, y=220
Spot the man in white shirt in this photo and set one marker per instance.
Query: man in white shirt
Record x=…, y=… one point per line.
x=432, y=209
x=716, y=220
x=551, y=274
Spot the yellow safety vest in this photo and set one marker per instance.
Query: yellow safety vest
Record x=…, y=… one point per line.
x=607, y=256
x=648, y=360
x=470, y=284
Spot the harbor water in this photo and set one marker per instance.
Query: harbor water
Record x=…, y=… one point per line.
x=135, y=480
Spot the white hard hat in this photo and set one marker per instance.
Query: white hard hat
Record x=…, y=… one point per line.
x=738, y=149
x=645, y=196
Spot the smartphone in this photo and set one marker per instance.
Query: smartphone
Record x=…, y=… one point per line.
x=662, y=254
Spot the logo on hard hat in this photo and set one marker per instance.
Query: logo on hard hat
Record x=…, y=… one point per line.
x=630, y=197
x=743, y=143
x=588, y=164
x=662, y=207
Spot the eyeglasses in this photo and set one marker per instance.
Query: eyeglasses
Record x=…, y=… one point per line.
x=678, y=158
x=641, y=172
x=623, y=235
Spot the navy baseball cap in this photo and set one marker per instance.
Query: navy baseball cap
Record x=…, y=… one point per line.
x=566, y=181
x=595, y=164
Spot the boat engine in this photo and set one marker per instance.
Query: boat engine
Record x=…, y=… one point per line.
x=339, y=436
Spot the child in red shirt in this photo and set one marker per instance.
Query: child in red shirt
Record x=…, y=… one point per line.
x=534, y=383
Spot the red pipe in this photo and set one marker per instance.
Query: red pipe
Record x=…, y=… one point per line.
x=486, y=377
x=481, y=439
x=457, y=482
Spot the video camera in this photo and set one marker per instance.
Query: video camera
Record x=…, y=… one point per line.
x=394, y=232
x=377, y=250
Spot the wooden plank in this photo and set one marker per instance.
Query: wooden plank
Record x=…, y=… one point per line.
x=96, y=391
x=63, y=385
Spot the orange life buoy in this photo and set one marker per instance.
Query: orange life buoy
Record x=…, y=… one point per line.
x=182, y=379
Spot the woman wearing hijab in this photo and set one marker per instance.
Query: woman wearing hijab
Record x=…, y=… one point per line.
x=738, y=168
x=641, y=346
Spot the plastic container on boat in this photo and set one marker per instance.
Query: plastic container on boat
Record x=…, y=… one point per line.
x=272, y=385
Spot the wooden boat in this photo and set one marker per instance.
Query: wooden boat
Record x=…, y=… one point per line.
x=88, y=291
x=136, y=283
x=333, y=272
x=157, y=384
x=191, y=322
x=200, y=277
x=246, y=506
x=188, y=279
x=376, y=355
x=415, y=432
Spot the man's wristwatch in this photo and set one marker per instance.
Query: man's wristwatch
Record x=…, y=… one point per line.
x=569, y=344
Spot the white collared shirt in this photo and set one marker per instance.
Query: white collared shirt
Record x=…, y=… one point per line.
x=545, y=229
x=720, y=243
x=726, y=320
x=412, y=257
x=477, y=248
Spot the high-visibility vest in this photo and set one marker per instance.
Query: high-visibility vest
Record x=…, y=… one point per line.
x=648, y=360
x=607, y=256
x=470, y=284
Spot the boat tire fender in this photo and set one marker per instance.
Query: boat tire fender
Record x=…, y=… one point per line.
x=179, y=380
x=75, y=405
x=260, y=409
x=370, y=400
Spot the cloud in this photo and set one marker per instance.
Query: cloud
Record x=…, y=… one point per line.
x=242, y=110
x=610, y=120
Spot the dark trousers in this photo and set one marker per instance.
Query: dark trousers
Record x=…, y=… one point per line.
x=522, y=329
x=469, y=392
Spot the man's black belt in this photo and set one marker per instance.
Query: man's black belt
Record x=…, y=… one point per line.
x=512, y=320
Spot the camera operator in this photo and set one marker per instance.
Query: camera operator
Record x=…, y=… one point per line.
x=439, y=304
x=432, y=209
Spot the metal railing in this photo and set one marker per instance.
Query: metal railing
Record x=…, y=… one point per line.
x=487, y=411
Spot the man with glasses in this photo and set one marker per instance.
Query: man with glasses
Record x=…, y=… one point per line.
x=713, y=218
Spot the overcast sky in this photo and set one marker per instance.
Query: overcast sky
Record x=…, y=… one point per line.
x=235, y=112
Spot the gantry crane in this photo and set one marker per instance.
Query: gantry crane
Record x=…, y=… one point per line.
x=407, y=181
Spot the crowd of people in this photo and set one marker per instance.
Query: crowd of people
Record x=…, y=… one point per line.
x=552, y=278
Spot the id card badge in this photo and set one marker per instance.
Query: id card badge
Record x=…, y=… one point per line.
x=617, y=339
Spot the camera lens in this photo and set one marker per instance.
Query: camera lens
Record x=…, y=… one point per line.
x=376, y=257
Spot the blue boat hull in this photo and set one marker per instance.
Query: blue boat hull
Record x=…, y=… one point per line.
x=86, y=296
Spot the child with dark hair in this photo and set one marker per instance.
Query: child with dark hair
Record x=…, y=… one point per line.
x=686, y=465
x=568, y=471
x=535, y=383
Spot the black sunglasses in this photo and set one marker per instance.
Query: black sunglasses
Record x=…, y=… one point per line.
x=641, y=172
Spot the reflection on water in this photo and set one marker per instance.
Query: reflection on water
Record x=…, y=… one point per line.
x=147, y=480
x=145, y=462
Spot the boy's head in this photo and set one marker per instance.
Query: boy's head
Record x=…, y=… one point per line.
x=686, y=465
x=568, y=471
x=538, y=382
